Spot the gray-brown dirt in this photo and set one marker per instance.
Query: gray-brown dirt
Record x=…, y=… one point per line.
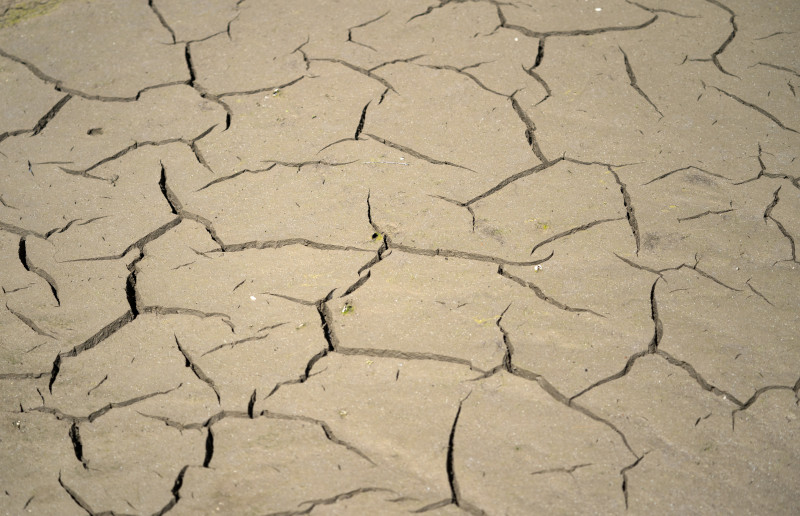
x=390, y=257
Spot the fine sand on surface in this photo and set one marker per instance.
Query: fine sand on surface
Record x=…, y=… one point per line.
x=390, y=257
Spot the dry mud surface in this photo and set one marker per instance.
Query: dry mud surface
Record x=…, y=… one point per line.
x=381, y=257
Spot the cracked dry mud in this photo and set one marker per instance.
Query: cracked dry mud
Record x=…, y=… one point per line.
x=378, y=257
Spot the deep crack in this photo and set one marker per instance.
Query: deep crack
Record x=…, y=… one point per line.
x=635, y=85
x=541, y=295
x=630, y=213
x=198, y=372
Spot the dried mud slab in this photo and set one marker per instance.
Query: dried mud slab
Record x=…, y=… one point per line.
x=679, y=427
x=56, y=307
x=139, y=58
x=26, y=100
x=464, y=134
x=41, y=443
x=728, y=360
x=132, y=458
x=314, y=203
x=526, y=436
x=87, y=134
x=291, y=124
x=581, y=328
x=391, y=315
x=271, y=459
x=156, y=359
x=239, y=287
x=209, y=17
x=397, y=412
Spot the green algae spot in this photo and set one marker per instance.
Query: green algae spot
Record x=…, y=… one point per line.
x=21, y=11
x=10, y=358
x=541, y=225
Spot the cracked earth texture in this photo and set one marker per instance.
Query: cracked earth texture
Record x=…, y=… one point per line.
x=380, y=257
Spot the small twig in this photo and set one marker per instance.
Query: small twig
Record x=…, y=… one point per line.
x=386, y=162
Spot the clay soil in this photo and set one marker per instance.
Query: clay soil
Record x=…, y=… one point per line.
x=389, y=257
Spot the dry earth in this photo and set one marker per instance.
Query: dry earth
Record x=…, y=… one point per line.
x=380, y=257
